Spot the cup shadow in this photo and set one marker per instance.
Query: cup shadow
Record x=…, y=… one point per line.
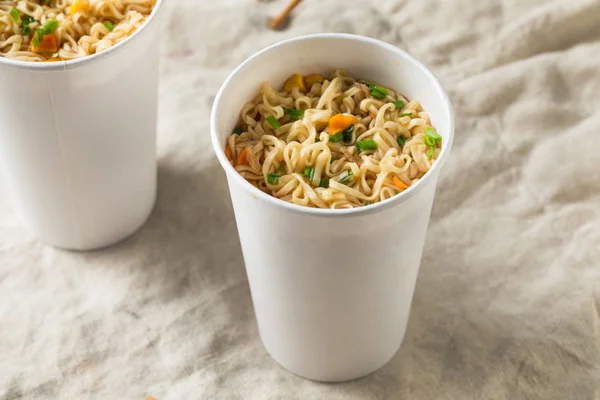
x=189, y=242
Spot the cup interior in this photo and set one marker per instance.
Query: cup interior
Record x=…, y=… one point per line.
x=362, y=57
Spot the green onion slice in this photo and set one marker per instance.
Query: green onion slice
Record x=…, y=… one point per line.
x=399, y=104
x=368, y=144
x=38, y=38
x=294, y=114
x=406, y=114
x=323, y=183
x=379, y=93
x=429, y=141
x=273, y=178
x=310, y=172
x=15, y=15
x=431, y=133
x=430, y=152
x=346, y=179
x=336, y=138
x=237, y=131
x=273, y=122
x=26, y=19
x=109, y=26
x=49, y=27
x=401, y=140
x=347, y=133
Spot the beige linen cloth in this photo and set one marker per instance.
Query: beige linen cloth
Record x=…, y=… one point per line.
x=507, y=304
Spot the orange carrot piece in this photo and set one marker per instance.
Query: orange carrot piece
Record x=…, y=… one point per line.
x=401, y=185
x=228, y=153
x=311, y=79
x=339, y=122
x=293, y=81
x=47, y=45
x=242, y=157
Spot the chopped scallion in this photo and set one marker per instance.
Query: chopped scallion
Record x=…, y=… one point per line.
x=317, y=140
x=401, y=140
x=430, y=132
x=26, y=19
x=346, y=179
x=37, y=39
x=14, y=15
x=273, y=178
x=378, y=92
x=49, y=27
x=109, y=26
x=336, y=138
x=406, y=114
x=429, y=140
x=368, y=203
x=368, y=144
x=399, y=104
x=310, y=172
x=237, y=131
x=347, y=133
x=273, y=122
x=323, y=183
x=294, y=114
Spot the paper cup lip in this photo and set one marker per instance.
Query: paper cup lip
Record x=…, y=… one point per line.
x=81, y=61
x=373, y=208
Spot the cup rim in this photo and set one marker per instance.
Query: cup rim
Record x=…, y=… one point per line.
x=81, y=61
x=373, y=208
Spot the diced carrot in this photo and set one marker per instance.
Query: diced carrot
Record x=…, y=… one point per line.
x=47, y=45
x=293, y=81
x=53, y=59
x=339, y=122
x=79, y=6
x=401, y=185
x=150, y=398
x=312, y=79
x=242, y=157
x=372, y=115
x=228, y=153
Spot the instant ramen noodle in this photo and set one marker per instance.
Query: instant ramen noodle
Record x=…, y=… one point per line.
x=332, y=143
x=56, y=30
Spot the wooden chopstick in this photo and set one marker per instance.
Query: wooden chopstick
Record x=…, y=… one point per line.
x=275, y=22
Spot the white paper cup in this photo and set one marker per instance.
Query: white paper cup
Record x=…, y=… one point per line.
x=332, y=288
x=77, y=141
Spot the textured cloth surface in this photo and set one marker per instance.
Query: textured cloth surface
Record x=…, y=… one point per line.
x=507, y=304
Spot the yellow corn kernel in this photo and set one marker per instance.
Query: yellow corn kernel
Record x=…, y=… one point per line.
x=293, y=81
x=79, y=6
x=312, y=79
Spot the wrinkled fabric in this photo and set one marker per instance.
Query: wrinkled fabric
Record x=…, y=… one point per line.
x=507, y=304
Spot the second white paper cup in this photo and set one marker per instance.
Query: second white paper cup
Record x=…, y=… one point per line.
x=332, y=289
x=78, y=141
